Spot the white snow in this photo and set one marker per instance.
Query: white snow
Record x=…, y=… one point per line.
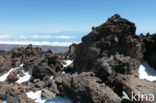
x=25, y=78
x=37, y=97
x=63, y=72
x=147, y=72
x=4, y=101
x=68, y=62
x=4, y=77
x=52, y=77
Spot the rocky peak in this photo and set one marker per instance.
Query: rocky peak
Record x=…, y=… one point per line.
x=118, y=25
x=29, y=46
x=115, y=37
x=114, y=29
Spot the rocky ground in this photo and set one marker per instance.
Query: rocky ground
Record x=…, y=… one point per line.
x=110, y=64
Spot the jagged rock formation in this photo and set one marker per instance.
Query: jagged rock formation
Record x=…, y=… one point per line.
x=114, y=53
x=71, y=52
x=42, y=65
x=107, y=63
x=86, y=88
x=150, y=56
x=111, y=48
x=14, y=93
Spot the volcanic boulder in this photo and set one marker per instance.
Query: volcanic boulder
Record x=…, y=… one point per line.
x=42, y=71
x=71, y=52
x=110, y=48
x=13, y=76
x=86, y=88
x=150, y=55
x=14, y=93
x=138, y=91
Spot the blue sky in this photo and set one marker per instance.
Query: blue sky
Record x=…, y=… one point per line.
x=72, y=18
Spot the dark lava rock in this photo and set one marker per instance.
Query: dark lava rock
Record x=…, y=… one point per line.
x=150, y=55
x=42, y=64
x=51, y=85
x=47, y=94
x=17, y=52
x=110, y=48
x=30, y=62
x=42, y=71
x=71, y=52
x=5, y=64
x=132, y=85
x=14, y=93
x=86, y=88
x=69, y=69
x=13, y=76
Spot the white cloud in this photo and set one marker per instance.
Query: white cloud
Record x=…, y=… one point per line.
x=45, y=37
x=5, y=36
x=38, y=43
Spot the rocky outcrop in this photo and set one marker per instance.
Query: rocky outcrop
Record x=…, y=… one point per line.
x=43, y=71
x=5, y=64
x=71, y=52
x=150, y=55
x=114, y=53
x=42, y=64
x=14, y=93
x=139, y=91
x=110, y=48
x=46, y=94
x=86, y=88
x=13, y=76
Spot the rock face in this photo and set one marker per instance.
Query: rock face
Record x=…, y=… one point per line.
x=107, y=62
x=85, y=88
x=42, y=65
x=5, y=63
x=132, y=85
x=13, y=76
x=150, y=55
x=15, y=93
x=110, y=48
x=71, y=52
x=46, y=94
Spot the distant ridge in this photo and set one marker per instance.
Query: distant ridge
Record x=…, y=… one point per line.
x=55, y=49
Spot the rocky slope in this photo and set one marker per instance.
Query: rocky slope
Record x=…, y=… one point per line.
x=105, y=68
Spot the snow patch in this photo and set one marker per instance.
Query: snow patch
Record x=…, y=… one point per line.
x=52, y=77
x=4, y=101
x=36, y=96
x=68, y=62
x=147, y=72
x=4, y=77
x=25, y=78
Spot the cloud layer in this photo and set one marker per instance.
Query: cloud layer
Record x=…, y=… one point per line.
x=37, y=43
x=7, y=36
x=51, y=39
